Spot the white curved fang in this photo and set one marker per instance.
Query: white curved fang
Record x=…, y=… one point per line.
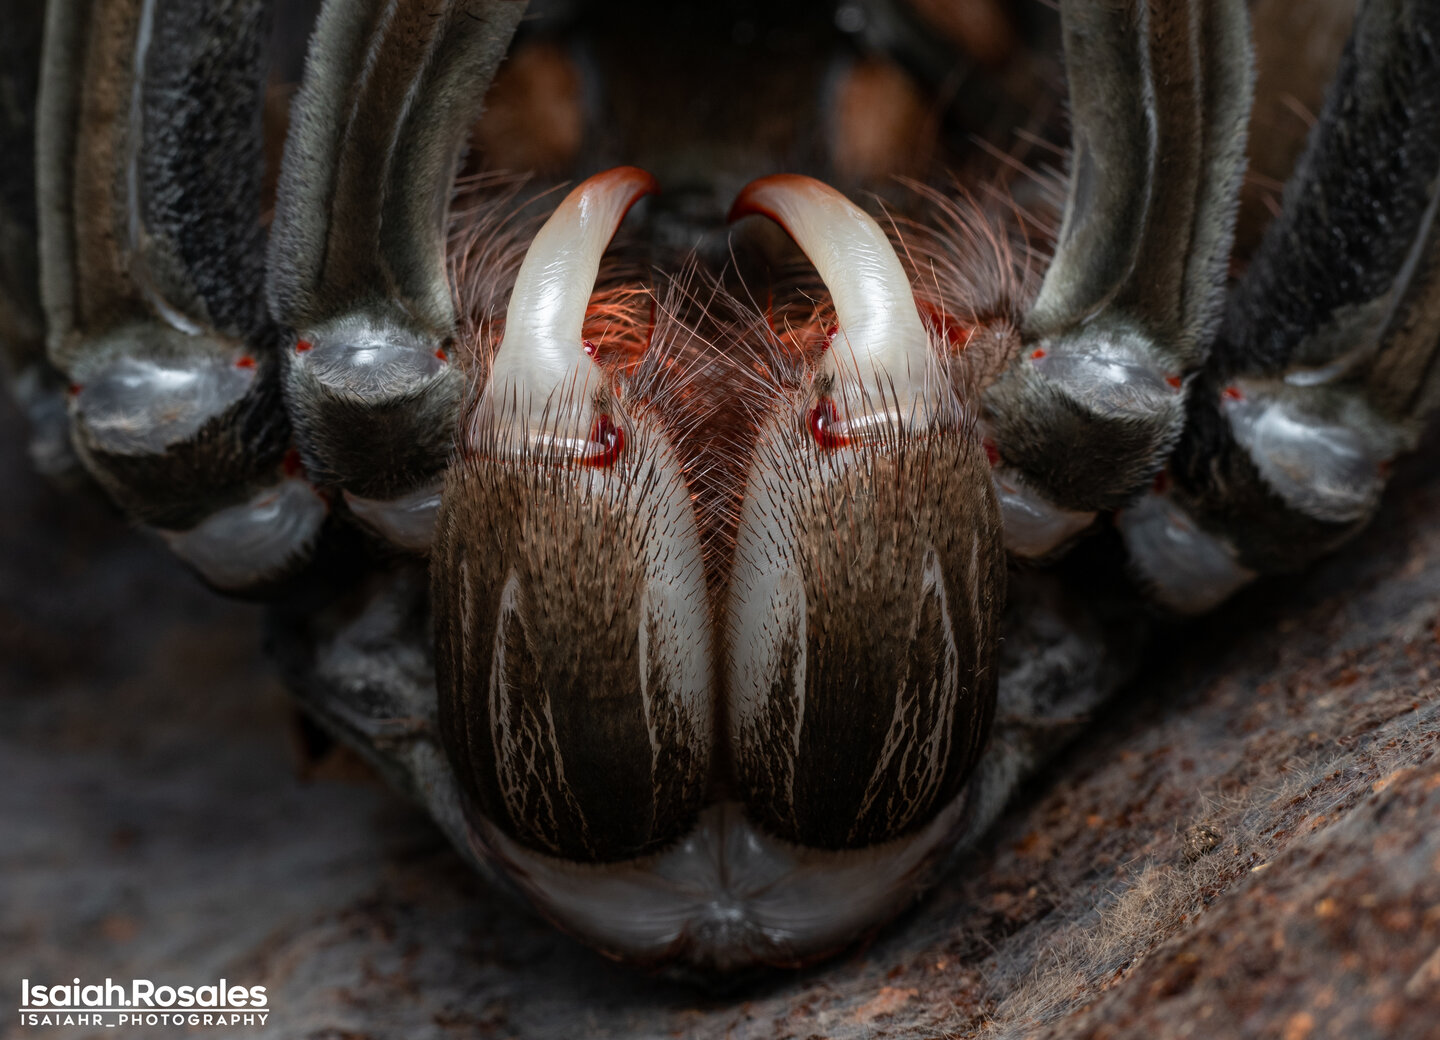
x=540, y=374
x=881, y=343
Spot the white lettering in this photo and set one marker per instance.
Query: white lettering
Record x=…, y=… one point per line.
x=66, y=1004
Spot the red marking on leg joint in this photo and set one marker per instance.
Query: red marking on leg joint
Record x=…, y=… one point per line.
x=291, y=465
x=302, y=345
x=1232, y=393
x=73, y=389
x=246, y=361
x=607, y=441
x=1037, y=354
x=991, y=452
x=1173, y=382
x=440, y=353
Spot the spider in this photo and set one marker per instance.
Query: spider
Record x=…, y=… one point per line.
x=696, y=568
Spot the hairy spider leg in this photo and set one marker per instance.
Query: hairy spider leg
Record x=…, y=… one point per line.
x=1325, y=367
x=357, y=259
x=1090, y=408
x=150, y=166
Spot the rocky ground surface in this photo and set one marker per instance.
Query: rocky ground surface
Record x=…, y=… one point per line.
x=1246, y=844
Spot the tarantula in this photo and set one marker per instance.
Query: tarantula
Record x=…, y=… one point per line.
x=707, y=658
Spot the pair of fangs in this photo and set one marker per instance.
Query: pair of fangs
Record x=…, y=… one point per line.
x=877, y=375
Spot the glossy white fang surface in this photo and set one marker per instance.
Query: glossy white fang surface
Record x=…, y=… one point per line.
x=541, y=374
x=880, y=358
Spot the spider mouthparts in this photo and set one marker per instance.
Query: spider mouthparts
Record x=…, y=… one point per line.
x=541, y=377
x=880, y=355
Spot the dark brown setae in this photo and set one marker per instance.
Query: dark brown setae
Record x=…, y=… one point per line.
x=563, y=699
x=864, y=676
x=574, y=631
x=869, y=561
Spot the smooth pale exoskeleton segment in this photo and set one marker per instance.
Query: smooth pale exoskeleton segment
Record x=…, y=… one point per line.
x=573, y=629
x=878, y=371
x=869, y=569
x=543, y=381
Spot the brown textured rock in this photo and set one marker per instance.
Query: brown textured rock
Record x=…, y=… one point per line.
x=1246, y=844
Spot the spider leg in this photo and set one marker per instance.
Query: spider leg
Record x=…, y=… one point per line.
x=1325, y=366
x=1095, y=400
x=357, y=257
x=37, y=387
x=149, y=167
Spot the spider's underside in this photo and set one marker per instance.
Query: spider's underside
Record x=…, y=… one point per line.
x=707, y=662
